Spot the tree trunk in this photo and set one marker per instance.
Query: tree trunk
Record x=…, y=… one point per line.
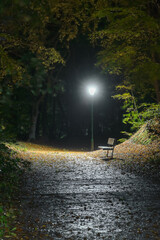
x=156, y=83
x=44, y=119
x=157, y=90
x=35, y=113
x=64, y=121
x=52, y=127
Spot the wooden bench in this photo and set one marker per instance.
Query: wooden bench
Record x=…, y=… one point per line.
x=110, y=146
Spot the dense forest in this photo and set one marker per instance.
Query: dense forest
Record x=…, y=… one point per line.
x=48, y=48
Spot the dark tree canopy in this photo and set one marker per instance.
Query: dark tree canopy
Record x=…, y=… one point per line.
x=39, y=42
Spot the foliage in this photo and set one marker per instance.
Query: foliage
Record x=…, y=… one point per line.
x=129, y=41
x=34, y=41
x=136, y=112
x=131, y=116
x=7, y=217
x=11, y=169
x=35, y=38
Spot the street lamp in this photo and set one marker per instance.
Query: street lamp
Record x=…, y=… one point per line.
x=92, y=91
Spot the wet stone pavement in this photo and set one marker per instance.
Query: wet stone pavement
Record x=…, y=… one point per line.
x=74, y=196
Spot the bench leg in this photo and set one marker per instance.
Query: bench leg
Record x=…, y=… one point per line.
x=112, y=153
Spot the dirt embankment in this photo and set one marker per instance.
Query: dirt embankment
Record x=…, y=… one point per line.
x=140, y=153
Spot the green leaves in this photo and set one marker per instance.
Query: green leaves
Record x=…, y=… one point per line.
x=136, y=112
x=124, y=96
x=11, y=168
x=129, y=41
x=7, y=216
x=49, y=57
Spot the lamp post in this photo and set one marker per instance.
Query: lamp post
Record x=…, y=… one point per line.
x=92, y=91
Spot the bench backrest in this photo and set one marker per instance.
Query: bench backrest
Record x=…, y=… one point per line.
x=111, y=141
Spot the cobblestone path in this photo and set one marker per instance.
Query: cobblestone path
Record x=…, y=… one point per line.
x=74, y=196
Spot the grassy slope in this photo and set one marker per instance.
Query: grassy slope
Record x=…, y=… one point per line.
x=149, y=133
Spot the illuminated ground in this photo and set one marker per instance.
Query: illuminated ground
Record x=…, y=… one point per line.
x=75, y=195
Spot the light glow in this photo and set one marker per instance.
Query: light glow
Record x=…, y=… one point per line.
x=92, y=90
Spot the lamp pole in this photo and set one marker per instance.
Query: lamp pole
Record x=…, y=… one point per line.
x=92, y=135
x=92, y=91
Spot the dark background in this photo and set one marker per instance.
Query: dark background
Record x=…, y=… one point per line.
x=80, y=72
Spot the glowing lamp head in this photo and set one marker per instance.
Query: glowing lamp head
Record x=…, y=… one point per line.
x=92, y=90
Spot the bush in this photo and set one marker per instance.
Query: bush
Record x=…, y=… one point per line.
x=11, y=169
